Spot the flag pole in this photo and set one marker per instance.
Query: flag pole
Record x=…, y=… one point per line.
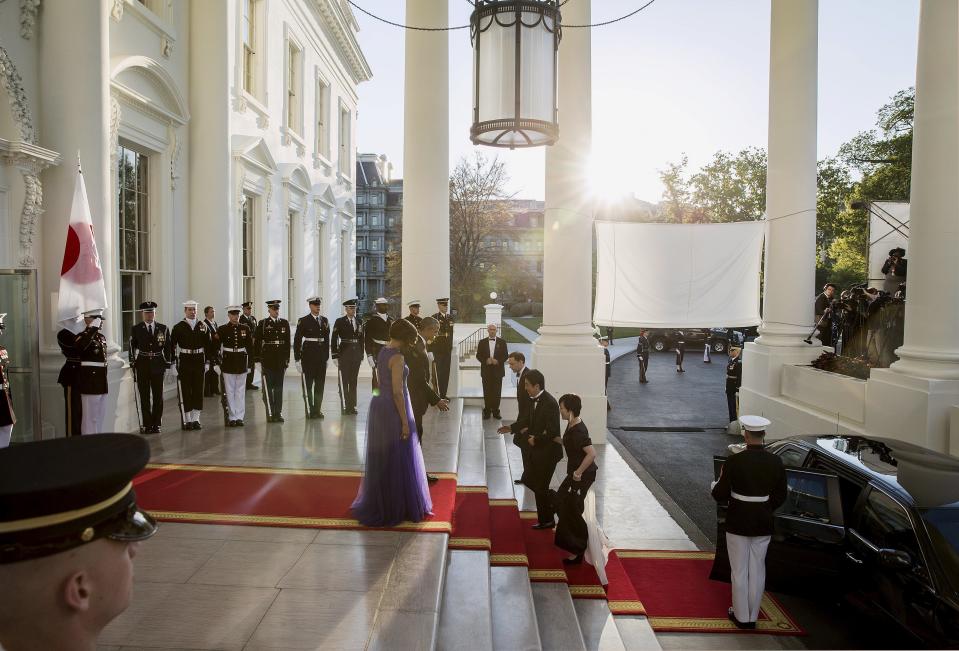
x=79, y=168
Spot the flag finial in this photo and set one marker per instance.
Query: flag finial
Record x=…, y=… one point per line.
x=79, y=168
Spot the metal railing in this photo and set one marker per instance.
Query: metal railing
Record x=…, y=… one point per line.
x=466, y=348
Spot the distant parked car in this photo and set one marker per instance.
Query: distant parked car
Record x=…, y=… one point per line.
x=664, y=339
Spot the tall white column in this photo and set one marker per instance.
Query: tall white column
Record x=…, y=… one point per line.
x=790, y=262
x=426, y=162
x=566, y=353
x=913, y=399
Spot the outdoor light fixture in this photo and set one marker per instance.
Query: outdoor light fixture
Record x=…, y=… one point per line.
x=515, y=45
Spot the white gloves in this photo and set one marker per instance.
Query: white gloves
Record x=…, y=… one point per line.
x=299, y=367
x=207, y=366
x=372, y=362
x=259, y=368
x=336, y=362
x=173, y=371
x=216, y=369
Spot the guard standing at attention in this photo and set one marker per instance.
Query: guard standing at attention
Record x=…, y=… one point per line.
x=7, y=418
x=347, y=349
x=190, y=346
x=376, y=334
x=93, y=372
x=250, y=322
x=272, y=346
x=311, y=349
x=680, y=350
x=235, y=343
x=753, y=482
x=69, y=379
x=150, y=358
x=734, y=380
x=442, y=345
x=414, y=315
x=642, y=355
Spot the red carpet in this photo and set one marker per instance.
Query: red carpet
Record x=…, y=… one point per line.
x=471, y=525
x=270, y=497
x=507, y=545
x=545, y=558
x=675, y=589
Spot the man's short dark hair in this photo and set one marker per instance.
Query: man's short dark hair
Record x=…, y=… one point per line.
x=428, y=322
x=207, y=309
x=572, y=402
x=518, y=356
x=828, y=285
x=534, y=377
x=403, y=330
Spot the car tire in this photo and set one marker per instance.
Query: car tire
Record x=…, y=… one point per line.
x=719, y=346
x=658, y=345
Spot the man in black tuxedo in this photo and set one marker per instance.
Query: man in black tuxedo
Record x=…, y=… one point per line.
x=422, y=394
x=546, y=445
x=517, y=364
x=491, y=354
x=211, y=379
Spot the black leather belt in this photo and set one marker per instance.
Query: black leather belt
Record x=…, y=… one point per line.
x=349, y=341
x=141, y=354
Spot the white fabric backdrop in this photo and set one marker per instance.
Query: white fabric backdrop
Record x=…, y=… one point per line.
x=678, y=275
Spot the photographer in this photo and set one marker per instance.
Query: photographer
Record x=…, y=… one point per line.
x=823, y=310
x=894, y=269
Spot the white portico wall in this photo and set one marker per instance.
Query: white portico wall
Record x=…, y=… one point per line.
x=566, y=352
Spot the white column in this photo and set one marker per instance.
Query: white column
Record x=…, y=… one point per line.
x=426, y=166
x=566, y=353
x=790, y=262
x=913, y=399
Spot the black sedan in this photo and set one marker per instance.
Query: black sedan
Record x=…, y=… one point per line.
x=665, y=339
x=874, y=521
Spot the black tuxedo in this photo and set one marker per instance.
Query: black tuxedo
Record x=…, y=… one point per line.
x=211, y=381
x=524, y=402
x=492, y=374
x=421, y=393
x=542, y=423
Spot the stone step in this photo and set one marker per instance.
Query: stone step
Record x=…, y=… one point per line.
x=556, y=618
x=514, y=614
x=598, y=625
x=471, y=465
x=466, y=620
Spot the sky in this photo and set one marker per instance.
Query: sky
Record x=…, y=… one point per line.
x=681, y=77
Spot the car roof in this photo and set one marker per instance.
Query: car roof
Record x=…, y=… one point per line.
x=926, y=478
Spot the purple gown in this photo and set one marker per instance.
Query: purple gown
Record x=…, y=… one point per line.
x=394, y=485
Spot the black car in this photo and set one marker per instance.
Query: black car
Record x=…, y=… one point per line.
x=874, y=521
x=664, y=339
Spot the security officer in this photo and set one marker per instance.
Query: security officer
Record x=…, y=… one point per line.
x=442, y=345
x=150, y=358
x=376, y=334
x=311, y=349
x=414, y=315
x=7, y=418
x=93, y=372
x=69, y=379
x=753, y=482
x=642, y=355
x=190, y=349
x=250, y=322
x=347, y=349
x=680, y=350
x=235, y=349
x=734, y=380
x=69, y=530
x=271, y=341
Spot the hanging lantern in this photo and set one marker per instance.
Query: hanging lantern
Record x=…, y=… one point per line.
x=515, y=45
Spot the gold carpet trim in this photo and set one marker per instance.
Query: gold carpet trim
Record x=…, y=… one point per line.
x=309, y=472
x=665, y=554
x=502, y=502
x=587, y=591
x=628, y=608
x=508, y=558
x=470, y=542
x=717, y=624
x=547, y=574
x=318, y=523
x=528, y=515
x=471, y=489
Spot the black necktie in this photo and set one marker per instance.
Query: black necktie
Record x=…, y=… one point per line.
x=150, y=329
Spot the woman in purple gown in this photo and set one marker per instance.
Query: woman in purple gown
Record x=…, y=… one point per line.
x=394, y=485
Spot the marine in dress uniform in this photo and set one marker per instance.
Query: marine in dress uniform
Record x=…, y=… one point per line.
x=211, y=380
x=68, y=518
x=707, y=359
x=642, y=355
x=604, y=342
x=272, y=353
x=93, y=372
x=69, y=379
x=311, y=350
x=190, y=349
x=734, y=380
x=234, y=348
x=414, y=315
x=376, y=334
x=250, y=322
x=150, y=358
x=347, y=348
x=442, y=345
x=753, y=482
x=7, y=418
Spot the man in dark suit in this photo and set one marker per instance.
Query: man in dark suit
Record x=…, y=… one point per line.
x=211, y=379
x=347, y=349
x=823, y=313
x=491, y=354
x=150, y=358
x=422, y=394
x=546, y=446
x=69, y=379
x=517, y=364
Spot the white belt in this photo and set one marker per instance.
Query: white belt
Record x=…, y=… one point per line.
x=190, y=351
x=316, y=339
x=382, y=343
x=749, y=498
x=99, y=364
x=235, y=350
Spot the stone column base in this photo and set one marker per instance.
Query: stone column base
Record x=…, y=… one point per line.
x=913, y=409
x=575, y=364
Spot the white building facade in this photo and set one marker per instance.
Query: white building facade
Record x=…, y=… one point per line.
x=217, y=142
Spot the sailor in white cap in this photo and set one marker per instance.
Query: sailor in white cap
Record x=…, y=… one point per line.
x=376, y=333
x=414, y=315
x=93, y=372
x=191, y=345
x=753, y=482
x=235, y=345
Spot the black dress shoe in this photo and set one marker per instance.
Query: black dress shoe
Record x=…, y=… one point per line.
x=679, y=370
x=573, y=561
x=746, y=626
x=486, y=415
x=544, y=525
x=496, y=415
x=432, y=479
x=197, y=425
x=517, y=481
x=239, y=423
x=185, y=426
x=353, y=412
x=280, y=419
x=319, y=414
x=644, y=381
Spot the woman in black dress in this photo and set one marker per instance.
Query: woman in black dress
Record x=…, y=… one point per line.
x=571, y=531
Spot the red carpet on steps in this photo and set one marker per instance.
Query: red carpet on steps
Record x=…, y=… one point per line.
x=471, y=519
x=507, y=544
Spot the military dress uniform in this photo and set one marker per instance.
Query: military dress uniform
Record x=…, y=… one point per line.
x=7, y=418
x=211, y=379
x=642, y=356
x=235, y=349
x=150, y=358
x=272, y=353
x=346, y=346
x=680, y=350
x=69, y=379
x=734, y=379
x=415, y=319
x=442, y=348
x=376, y=334
x=311, y=348
x=250, y=322
x=92, y=376
x=190, y=349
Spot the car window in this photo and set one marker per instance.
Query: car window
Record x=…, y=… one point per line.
x=849, y=490
x=885, y=523
x=806, y=496
x=943, y=527
x=792, y=456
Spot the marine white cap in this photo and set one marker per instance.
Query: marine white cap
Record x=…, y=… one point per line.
x=190, y=303
x=381, y=301
x=97, y=311
x=415, y=301
x=754, y=423
x=233, y=308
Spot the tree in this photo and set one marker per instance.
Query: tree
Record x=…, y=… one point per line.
x=394, y=276
x=675, y=203
x=730, y=188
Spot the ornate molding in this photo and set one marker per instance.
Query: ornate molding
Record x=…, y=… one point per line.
x=115, y=115
x=269, y=197
x=263, y=121
x=116, y=10
x=175, y=149
x=28, y=17
x=166, y=47
x=11, y=82
x=29, y=216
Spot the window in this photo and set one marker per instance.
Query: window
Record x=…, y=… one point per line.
x=363, y=262
x=361, y=219
x=377, y=219
x=322, y=118
x=806, y=496
x=248, y=253
x=293, y=88
x=290, y=261
x=361, y=198
x=345, y=144
x=391, y=222
x=360, y=243
x=885, y=524
x=375, y=244
x=791, y=456
x=249, y=46
x=133, y=221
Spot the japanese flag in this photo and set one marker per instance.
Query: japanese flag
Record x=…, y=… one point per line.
x=81, y=278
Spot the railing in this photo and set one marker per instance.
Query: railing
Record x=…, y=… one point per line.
x=467, y=347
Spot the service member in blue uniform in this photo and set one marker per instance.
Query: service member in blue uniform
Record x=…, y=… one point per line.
x=272, y=346
x=150, y=358
x=753, y=482
x=190, y=348
x=235, y=349
x=347, y=348
x=250, y=322
x=69, y=379
x=680, y=350
x=93, y=372
x=642, y=355
x=734, y=379
x=7, y=418
x=442, y=345
x=604, y=342
x=311, y=350
x=376, y=333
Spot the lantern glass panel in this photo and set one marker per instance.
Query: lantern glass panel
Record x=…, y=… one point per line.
x=537, y=69
x=497, y=72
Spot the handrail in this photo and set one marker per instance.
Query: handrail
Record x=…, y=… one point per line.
x=467, y=347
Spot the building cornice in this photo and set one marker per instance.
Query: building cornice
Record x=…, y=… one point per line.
x=331, y=16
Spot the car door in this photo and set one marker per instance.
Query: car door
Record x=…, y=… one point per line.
x=806, y=550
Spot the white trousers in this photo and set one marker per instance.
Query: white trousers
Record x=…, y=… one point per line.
x=5, y=433
x=94, y=411
x=235, y=386
x=747, y=565
x=706, y=354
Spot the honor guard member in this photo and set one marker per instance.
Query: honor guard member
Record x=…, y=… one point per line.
x=753, y=482
x=150, y=358
x=235, y=347
x=442, y=345
x=69, y=379
x=734, y=380
x=250, y=322
x=347, y=347
x=642, y=354
x=680, y=350
x=311, y=349
x=376, y=334
x=7, y=418
x=93, y=372
x=211, y=380
x=190, y=344
x=414, y=315
x=272, y=353
x=69, y=528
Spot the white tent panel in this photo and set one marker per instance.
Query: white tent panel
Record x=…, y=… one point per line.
x=888, y=229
